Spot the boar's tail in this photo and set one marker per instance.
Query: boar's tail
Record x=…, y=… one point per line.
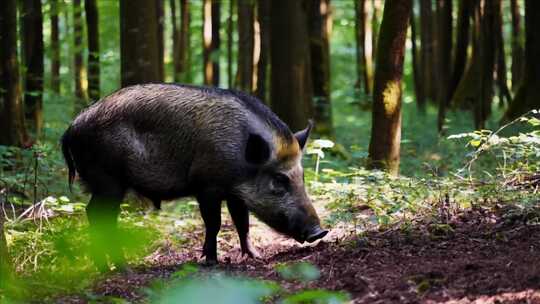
x=66, y=138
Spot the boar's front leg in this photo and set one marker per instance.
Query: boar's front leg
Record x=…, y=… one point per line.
x=210, y=207
x=102, y=212
x=240, y=216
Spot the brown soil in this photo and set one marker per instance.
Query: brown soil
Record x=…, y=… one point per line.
x=478, y=257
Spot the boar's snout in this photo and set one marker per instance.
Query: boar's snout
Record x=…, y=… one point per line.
x=316, y=233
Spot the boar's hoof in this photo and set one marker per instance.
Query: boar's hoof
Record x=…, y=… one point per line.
x=316, y=234
x=251, y=252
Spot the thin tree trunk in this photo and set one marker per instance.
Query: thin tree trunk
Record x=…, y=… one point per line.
x=291, y=85
x=504, y=91
x=32, y=59
x=262, y=69
x=139, y=45
x=462, y=43
x=230, y=29
x=184, y=44
x=319, y=19
x=444, y=58
x=518, y=53
x=81, y=93
x=161, y=47
x=92, y=25
x=417, y=73
x=528, y=95
x=426, y=51
x=175, y=41
x=55, y=47
x=12, y=129
x=211, y=10
x=246, y=44
x=376, y=10
x=385, y=140
x=364, y=44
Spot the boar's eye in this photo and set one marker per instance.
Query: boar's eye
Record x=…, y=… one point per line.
x=280, y=183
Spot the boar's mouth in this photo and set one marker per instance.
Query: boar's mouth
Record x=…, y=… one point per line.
x=316, y=234
x=311, y=236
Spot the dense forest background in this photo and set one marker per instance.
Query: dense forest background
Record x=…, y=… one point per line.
x=394, y=85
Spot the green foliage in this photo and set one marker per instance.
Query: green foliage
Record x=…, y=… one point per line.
x=302, y=271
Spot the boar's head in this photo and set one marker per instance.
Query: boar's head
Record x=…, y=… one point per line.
x=276, y=194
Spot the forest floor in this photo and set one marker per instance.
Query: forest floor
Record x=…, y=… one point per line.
x=479, y=256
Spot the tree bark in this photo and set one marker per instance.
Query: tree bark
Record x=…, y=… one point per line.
x=364, y=45
x=462, y=43
x=528, y=95
x=55, y=47
x=417, y=73
x=184, y=43
x=139, y=50
x=12, y=129
x=32, y=59
x=319, y=19
x=426, y=51
x=81, y=92
x=92, y=26
x=476, y=86
x=211, y=41
x=518, y=54
x=291, y=85
x=444, y=58
x=161, y=47
x=385, y=140
x=500, y=67
x=246, y=44
x=230, y=34
x=376, y=8
x=263, y=10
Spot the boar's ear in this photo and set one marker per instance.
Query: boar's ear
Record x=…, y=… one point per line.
x=303, y=135
x=257, y=150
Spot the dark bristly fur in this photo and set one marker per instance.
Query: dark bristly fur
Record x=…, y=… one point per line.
x=166, y=141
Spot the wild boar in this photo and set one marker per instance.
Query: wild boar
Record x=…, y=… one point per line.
x=166, y=141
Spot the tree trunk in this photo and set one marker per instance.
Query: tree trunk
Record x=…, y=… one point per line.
x=81, y=93
x=246, y=43
x=161, y=48
x=377, y=7
x=476, y=86
x=385, y=140
x=32, y=59
x=175, y=41
x=230, y=34
x=55, y=47
x=417, y=73
x=444, y=58
x=12, y=130
x=518, y=53
x=364, y=44
x=92, y=25
x=139, y=49
x=462, y=43
x=262, y=68
x=500, y=67
x=426, y=51
x=528, y=95
x=319, y=19
x=211, y=17
x=291, y=85
x=184, y=43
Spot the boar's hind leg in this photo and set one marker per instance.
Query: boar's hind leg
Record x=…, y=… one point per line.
x=240, y=216
x=102, y=212
x=210, y=208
